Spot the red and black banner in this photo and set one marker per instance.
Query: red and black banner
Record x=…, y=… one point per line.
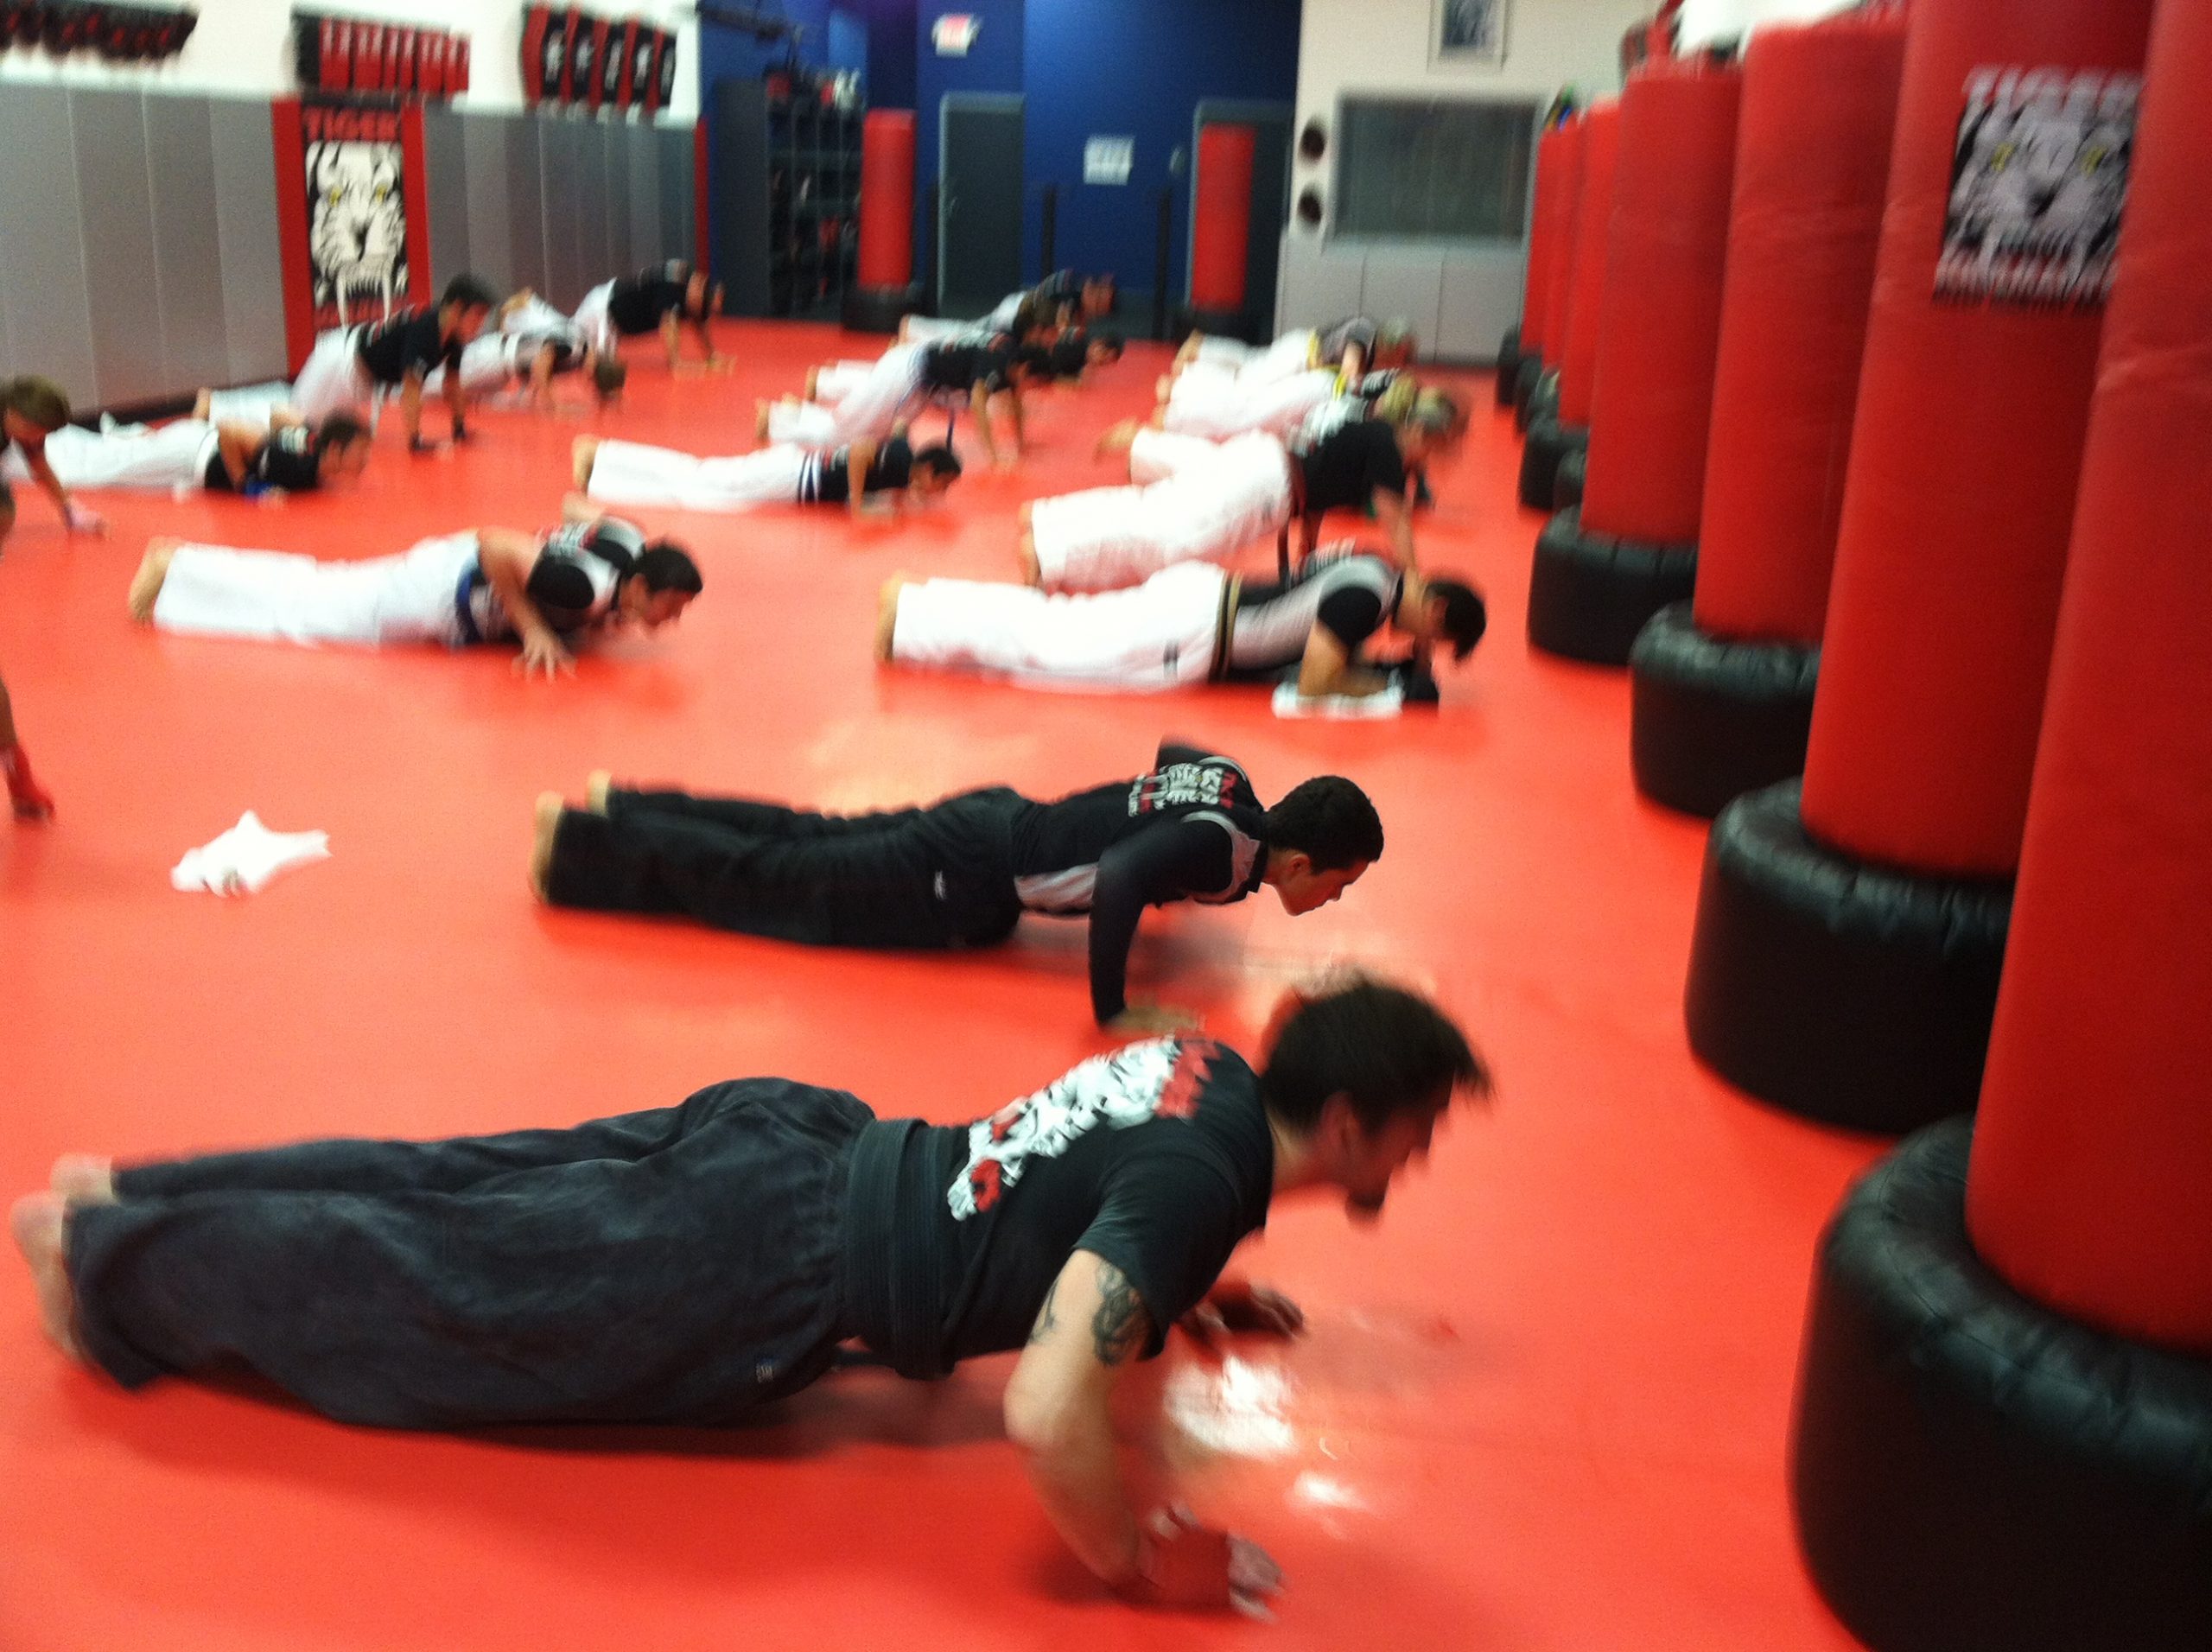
x=572, y=58
x=353, y=218
x=118, y=33
x=350, y=55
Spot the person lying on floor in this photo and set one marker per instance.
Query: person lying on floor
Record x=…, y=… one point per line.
x=892, y=473
x=659, y=299
x=864, y=400
x=350, y=366
x=1193, y=623
x=255, y=460
x=484, y=585
x=1191, y=499
x=962, y=872
x=690, y=1265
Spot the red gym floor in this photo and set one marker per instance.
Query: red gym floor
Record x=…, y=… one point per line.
x=1544, y=1404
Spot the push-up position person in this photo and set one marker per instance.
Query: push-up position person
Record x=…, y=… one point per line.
x=1192, y=622
x=1195, y=500
x=656, y=300
x=31, y=411
x=687, y=1266
x=351, y=366
x=529, y=343
x=962, y=872
x=487, y=585
x=629, y=473
x=1352, y=348
x=257, y=460
x=864, y=400
x=1063, y=300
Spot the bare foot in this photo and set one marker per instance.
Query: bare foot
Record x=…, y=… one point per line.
x=583, y=454
x=1031, y=574
x=146, y=583
x=203, y=405
x=1118, y=439
x=761, y=421
x=886, y=614
x=41, y=1225
x=595, y=789
x=813, y=383
x=83, y=1178
x=1162, y=388
x=550, y=808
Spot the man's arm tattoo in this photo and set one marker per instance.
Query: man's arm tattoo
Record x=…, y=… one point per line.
x=1046, y=1321
x=1118, y=1329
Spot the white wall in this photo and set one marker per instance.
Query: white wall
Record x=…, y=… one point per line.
x=243, y=47
x=1382, y=46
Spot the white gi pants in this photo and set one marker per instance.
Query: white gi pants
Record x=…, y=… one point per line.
x=414, y=597
x=1291, y=354
x=488, y=362
x=594, y=323
x=257, y=404
x=867, y=404
x=1208, y=402
x=1161, y=635
x=333, y=380
x=629, y=473
x=167, y=458
x=1195, y=501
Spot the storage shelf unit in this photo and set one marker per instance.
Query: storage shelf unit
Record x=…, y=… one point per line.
x=786, y=198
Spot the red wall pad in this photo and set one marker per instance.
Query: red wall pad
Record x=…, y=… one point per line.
x=1606, y=565
x=1565, y=428
x=1722, y=700
x=1848, y=944
x=2005, y=1412
x=885, y=290
x=1529, y=399
x=1527, y=339
x=1221, y=231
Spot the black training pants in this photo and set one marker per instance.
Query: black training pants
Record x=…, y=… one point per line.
x=676, y=1266
x=935, y=877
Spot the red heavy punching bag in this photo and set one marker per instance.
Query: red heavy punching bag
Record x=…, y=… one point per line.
x=887, y=250
x=1567, y=217
x=1221, y=232
x=1722, y=694
x=2092, y=1182
x=1849, y=943
x=1659, y=325
x=1577, y=368
x=1543, y=241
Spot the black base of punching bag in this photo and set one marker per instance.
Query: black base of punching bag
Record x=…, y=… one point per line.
x=1591, y=594
x=1836, y=989
x=1974, y=1473
x=878, y=309
x=1711, y=719
x=1530, y=397
x=1549, y=442
x=1508, y=365
x=1567, y=482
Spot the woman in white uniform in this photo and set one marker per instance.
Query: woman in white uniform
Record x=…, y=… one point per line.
x=484, y=585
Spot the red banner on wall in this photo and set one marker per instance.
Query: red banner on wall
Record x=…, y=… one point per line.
x=353, y=215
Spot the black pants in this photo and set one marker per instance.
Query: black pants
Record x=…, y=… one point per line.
x=935, y=877
x=676, y=1266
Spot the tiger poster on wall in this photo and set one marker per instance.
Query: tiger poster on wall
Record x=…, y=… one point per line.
x=353, y=215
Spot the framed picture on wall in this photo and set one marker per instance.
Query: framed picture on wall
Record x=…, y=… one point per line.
x=1470, y=33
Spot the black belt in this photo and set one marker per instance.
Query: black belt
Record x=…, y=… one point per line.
x=1224, y=627
x=890, y=1279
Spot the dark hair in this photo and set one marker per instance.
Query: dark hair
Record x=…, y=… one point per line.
x=470, y=292
x=1034, y=358
x=942, y=459
x=608, y=375
x=339, y=430
x=41, y=401
x=1387, y=1051
x=1069, y=355
x=665, y=566
x=1466, y=617
x=1110, y=339
x=1328, y=820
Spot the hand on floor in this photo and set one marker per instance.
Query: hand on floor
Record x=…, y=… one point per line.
x=1235, y=1307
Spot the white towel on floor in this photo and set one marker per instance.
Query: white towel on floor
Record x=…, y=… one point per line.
x=1289, y=703
x=244, y=860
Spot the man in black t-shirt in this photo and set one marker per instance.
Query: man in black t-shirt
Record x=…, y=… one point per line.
x=353, y=366
x=892, y=471
x=962, y=872
x=1345, y=457
x=658, y=299
x=256, y=460
x=687, y=1265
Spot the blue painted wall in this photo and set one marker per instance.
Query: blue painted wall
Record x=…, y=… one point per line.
x=1137, y=68
x=994, y=63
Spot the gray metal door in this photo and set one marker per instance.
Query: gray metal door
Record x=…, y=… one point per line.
x=979, y=201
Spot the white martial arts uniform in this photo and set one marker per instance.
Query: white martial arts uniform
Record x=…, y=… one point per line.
x=168, y=457
x=1293, y=353
x=333, y=380
x=1194, y=500
x=492, y=360
x=853, y=405
x=629, y=473
x=594, y=323
x=922, y=328
x=1210, y=401
x=256, y=405
x=418, y=596
x=1161, y=635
